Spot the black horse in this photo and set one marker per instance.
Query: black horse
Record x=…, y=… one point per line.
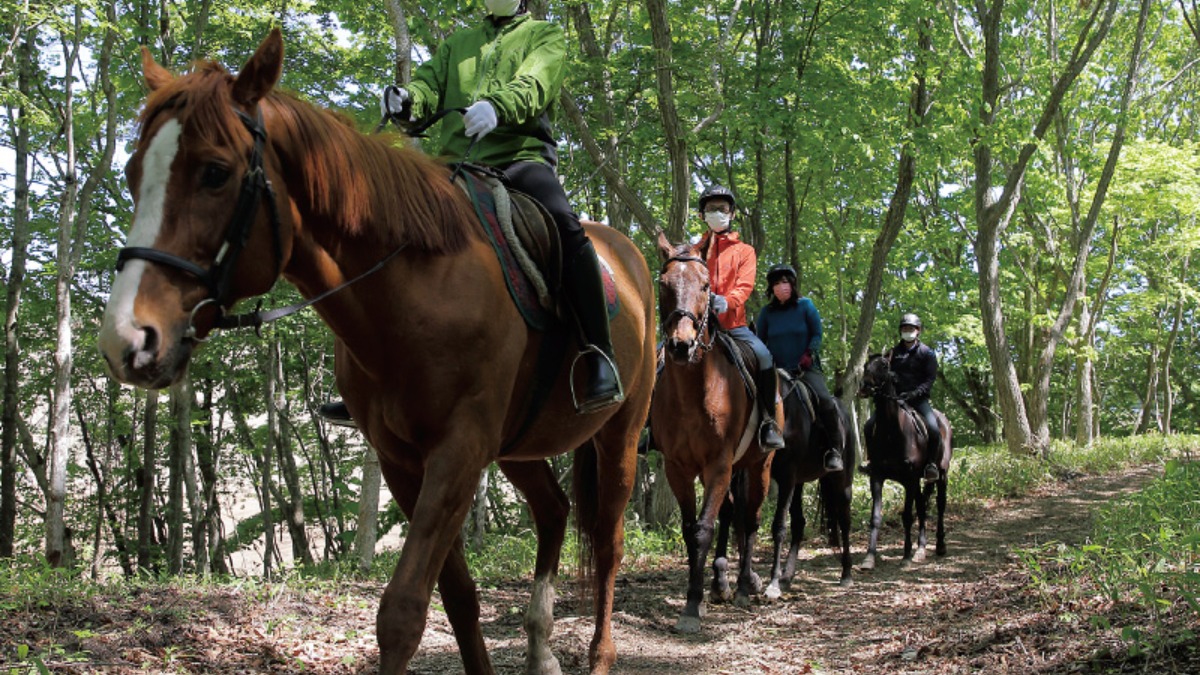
x=896, y=448
x=802, y=461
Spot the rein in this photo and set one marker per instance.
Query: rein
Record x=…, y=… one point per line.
x=700, y=322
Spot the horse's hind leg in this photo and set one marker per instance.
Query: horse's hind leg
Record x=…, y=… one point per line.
x=912, y=494
x=720, y=566
x=922, y=520
x=604, y=476
x=550, y=508
x=752, y=492
x=941, y=516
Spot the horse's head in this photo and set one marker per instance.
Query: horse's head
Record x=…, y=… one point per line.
x=877, y=377
x=684, y=299
x=206, y=228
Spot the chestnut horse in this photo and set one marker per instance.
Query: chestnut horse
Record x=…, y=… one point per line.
x=803, y=460
x=704, y=424
x=896, y=447
x=433, y=359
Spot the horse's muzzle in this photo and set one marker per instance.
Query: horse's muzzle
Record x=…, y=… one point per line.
x=680, y=351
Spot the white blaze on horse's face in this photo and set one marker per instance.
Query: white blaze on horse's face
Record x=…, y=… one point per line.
x=121, y=333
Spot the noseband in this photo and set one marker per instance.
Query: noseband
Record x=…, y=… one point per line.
x=700, y=322
x=218, y=278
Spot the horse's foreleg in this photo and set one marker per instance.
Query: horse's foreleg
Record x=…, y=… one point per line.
x=876, y=520
x=799, y=524
x=550, y=508
x=783, y=505
x=922, y=517
x=430, y=552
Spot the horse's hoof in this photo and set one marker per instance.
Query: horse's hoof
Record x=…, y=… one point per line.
x=756, y=583
x=689, y=625
x=846, y=582
x=741, y=601
x=773, y=592
x=919, y=556
x=547, y=666
x=868, y=563
x=941, y=550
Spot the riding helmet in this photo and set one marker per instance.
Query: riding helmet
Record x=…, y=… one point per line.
x=780, y=271
x=911, y=319
x=714, y=192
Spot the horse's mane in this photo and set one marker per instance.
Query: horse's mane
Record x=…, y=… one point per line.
x=355, y=181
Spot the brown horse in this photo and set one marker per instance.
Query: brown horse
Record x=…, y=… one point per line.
x=896, y=447
x=802, y=461
x=704, y=423
x=433, y=358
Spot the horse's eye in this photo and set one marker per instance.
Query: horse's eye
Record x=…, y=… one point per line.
x=214, y=176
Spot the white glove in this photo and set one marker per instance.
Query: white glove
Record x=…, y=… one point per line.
x=480, y=119
x=396, y=102
x=719, y=304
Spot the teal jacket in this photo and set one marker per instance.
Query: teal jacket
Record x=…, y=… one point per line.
x=517, y=67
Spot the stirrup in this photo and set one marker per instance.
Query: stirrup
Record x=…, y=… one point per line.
x=598, y=404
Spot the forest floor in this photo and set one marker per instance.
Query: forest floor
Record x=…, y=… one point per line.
x=974, y=610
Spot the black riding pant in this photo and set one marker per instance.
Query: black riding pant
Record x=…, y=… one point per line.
x=541, y=182
x=831, y=416
x=922, y=406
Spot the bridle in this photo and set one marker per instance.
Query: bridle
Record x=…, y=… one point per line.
x=876, y=390
x=218, y=278
x=701, y=322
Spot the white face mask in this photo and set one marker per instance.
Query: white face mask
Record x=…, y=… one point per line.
x=501, y=8
x=717, y=221
x=908, y=335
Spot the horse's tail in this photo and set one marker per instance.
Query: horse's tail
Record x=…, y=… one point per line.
x=585, y=484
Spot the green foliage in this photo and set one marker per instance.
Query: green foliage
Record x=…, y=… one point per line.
x=1145, y=552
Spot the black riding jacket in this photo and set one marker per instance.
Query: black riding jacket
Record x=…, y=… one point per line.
x=915, y=368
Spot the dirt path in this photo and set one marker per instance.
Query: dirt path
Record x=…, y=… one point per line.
x=971, y=611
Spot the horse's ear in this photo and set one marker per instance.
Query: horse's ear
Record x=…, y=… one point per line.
x=261, y=72
x=156, y=76
x=665, y=249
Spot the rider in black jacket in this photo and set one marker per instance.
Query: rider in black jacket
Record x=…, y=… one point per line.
x=915, y=367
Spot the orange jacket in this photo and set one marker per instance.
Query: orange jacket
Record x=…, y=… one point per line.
x=733, y=271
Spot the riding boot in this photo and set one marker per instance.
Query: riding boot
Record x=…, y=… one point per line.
x=769, y=438
x=831, y=419
x=335, y=412
x=933, y=469
x=584, y=289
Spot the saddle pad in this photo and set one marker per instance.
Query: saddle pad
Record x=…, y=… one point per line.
x=741, y=356
x=527, y=247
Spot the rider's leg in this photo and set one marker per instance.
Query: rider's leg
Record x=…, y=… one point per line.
x=831, y=418
x=934, y=459
x=335, y=412
x=767, y=384
x=582, y=283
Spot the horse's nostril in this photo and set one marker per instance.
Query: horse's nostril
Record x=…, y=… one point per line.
x=144, y=355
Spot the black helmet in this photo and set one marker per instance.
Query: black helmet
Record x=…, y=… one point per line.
x=911, y=319
x=715, y=192
x=780, y=271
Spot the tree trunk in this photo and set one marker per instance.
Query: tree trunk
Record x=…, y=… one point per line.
x=146, y=485
x=293, y=506
x=367, y=532
x=16, y=284
x=673, y=132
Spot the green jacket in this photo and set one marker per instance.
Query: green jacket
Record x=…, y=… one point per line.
x=517, y=67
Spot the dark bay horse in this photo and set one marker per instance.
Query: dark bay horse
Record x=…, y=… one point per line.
x=433, y=359
x=802, y=460
x=895, y=437
x=705, y=425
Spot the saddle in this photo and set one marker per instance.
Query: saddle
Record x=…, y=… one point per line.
x=741, y=356
x=527, y=244
x=789, y=384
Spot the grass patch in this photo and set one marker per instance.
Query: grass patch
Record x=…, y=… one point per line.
x=1139, y=575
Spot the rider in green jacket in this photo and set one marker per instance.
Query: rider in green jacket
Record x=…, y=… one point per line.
x=507, y=73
